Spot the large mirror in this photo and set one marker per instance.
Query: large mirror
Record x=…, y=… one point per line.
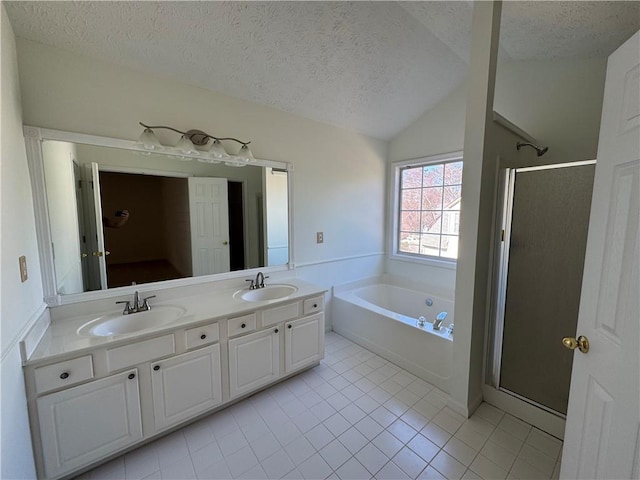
x=118, y=217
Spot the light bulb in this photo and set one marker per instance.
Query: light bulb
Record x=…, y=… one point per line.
x=245, y=154
x=186, y=146
x=217, y=150
x=149, y=140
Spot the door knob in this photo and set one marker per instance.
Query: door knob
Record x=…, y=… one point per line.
x=84, y=255
x=582, y=343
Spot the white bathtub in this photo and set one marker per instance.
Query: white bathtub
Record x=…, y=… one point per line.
x=381, y=315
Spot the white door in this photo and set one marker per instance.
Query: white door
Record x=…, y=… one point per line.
x=101, y=252
x=83, y=424
x=603, y=419
x=303, y=342
x=186, y=385
x=209, y=215
x=254, y=360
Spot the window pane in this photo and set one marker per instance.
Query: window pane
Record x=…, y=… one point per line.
x=449, y=247
x=451, y=222
x=433, y=175
x=411, y=199
x=410, y=221
x=430, y=244
x=431, y=222
x=452, y=198
x=432, y=198
x=409, y=242
x=428, y=209
x=453, y=173
x=411, y=177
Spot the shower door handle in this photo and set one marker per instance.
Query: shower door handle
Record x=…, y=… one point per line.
x=582, y=343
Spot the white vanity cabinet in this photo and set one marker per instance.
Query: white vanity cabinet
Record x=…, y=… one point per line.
x=186, y=385
x=303, y=342
x=85, y=423
x=254, y=360
x=87, y=405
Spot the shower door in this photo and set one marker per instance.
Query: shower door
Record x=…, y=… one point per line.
x=545, y=238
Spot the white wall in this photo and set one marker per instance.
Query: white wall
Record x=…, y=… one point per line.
x=557, y=102
x=20, y=302
x=63, y=213
x=339, y=176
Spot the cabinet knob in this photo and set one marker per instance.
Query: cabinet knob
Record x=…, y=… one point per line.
x=156, y=367
x=132, y=376
x=276, y=330
x=289, y=326
x=203, y=336
x=64, y=375
x=315, y=305
x=243, y=325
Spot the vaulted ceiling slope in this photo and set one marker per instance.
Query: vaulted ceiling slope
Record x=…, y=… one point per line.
x=371, y=67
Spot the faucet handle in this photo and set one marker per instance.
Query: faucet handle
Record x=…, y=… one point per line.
x=127, y=307
x=263, y=279
x=252, y=286
x=145, y=303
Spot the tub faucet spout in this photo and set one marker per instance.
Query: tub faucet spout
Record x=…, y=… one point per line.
x=437, y=323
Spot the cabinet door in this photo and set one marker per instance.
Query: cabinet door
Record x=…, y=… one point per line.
x=186, y=385
x=254, y=360
x=304, y=340
x=85, y=423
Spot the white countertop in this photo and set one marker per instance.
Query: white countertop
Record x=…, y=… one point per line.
x=62, y=339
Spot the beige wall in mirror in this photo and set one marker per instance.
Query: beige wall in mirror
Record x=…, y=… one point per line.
x=122, y=217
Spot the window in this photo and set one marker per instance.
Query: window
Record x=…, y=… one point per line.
x=428, y=208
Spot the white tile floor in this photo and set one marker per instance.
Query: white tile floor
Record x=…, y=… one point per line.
x=355, y=416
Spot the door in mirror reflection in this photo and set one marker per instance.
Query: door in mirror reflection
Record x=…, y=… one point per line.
x=118, y=217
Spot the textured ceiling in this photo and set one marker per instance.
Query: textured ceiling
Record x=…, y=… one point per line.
x=372, y=67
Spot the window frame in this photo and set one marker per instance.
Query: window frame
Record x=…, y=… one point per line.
x=394, y=209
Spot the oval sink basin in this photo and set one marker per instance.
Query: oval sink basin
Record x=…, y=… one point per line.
x=270, y=292
x=118, y=324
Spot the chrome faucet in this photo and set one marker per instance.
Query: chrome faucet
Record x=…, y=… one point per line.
x=135, y=306
x=260, y=280
x=437, y=323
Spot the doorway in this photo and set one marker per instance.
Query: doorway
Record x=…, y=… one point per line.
x=544, y=233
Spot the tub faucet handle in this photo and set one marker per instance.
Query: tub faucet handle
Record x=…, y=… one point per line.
x=437, y=323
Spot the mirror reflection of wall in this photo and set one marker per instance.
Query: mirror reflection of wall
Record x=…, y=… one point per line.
x=146, y=216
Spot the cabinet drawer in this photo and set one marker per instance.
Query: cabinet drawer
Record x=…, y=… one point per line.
x=280, y=314
x=203, y=335
x=313, y=305
x=63, y=374
x=128, y=355
x=243, y=324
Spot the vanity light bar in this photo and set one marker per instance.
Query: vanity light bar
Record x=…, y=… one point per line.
x=186, y=150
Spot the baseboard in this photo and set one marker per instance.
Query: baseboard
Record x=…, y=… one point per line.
x=545, y=421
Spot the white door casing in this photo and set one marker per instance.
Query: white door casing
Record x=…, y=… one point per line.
x=101, y=253
x=603, y=418
x=209, y=218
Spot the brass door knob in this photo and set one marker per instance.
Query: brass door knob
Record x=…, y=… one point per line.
x=582, y=343
x=100, y=254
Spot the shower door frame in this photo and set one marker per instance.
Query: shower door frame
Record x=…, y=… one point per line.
x=504, y=217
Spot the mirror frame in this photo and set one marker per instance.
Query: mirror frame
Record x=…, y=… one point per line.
x=34, y=137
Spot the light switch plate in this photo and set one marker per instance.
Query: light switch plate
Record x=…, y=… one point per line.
x=23, y=268
x=319, y=237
